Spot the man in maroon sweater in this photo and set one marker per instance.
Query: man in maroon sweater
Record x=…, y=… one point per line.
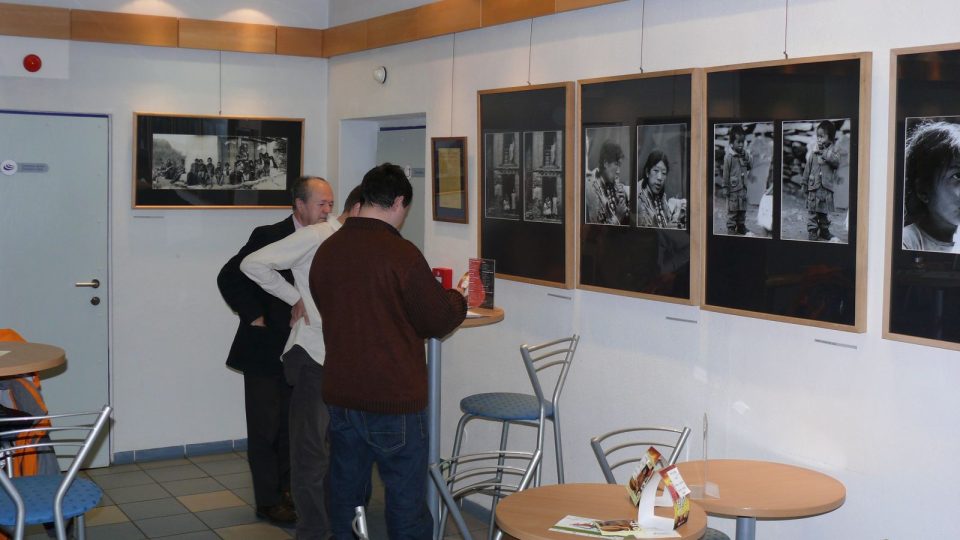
x=379, y=301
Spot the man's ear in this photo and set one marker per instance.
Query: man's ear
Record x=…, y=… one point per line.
x=398, y=203
x=355, y=210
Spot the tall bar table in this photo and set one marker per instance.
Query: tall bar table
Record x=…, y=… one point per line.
x=17, y=358
x=487, y=317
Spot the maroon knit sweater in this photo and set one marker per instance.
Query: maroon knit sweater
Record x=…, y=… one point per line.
x=379, y=301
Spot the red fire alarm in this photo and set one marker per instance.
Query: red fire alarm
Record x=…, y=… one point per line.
x=32, y=63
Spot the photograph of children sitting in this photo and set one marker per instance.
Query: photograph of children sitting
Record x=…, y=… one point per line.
x=214, y=162
x=931, y=184
x=815, y=184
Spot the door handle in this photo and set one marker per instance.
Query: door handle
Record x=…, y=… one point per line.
x=93, y=284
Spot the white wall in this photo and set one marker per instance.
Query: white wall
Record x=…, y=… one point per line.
x=171, y=330
x=771, y=391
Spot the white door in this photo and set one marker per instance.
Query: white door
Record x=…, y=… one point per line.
x=54, y=174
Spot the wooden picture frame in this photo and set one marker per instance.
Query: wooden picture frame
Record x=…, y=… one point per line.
x=654, y=252
x=196, y=162
x=448, y=162
x=921, y=278
x=796, y=133
x=525, y=165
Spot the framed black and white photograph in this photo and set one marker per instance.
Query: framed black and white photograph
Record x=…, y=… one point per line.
x=607, y=178
x=742, y=182
x=501, y=162
x=922, y=286
x=815, y=180
x=543, y=176
x=786, y=163
x=448, y=157
x=641, y=229
x=663, y=176
x=526, y=186
x=215, y=162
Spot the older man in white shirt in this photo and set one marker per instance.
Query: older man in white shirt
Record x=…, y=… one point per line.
x=303, y=362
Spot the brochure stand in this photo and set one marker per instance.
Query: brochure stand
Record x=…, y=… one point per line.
x=707, y=488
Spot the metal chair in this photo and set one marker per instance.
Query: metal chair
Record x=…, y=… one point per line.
x=669, y=441
x=487, y=473
x=359, y=524
x=27, y=500
x=524, y=409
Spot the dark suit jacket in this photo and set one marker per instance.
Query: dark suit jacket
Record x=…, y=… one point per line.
x=256, y=350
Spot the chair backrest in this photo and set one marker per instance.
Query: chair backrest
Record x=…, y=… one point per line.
x=359, y=524
x=636, y=441
x=74, y=431
x=557, y=353
x=495, y=473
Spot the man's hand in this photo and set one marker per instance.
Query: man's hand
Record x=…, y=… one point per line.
x=297, y=312
x=258, y=322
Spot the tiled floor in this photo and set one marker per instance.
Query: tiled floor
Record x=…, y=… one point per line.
x=200, y=498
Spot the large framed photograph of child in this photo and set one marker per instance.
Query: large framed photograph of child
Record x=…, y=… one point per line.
x=525, y=182
x=640, y=230
x=786, y=163
x=922, y=283
x=215, y=161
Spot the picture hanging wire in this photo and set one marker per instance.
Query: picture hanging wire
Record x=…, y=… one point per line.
x=220, y=112
x=786, y=17
x=453, y=61
x=530, y=51
x=643, y=14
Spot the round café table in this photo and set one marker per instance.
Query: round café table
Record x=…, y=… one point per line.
x=529, y=514
x=17, y=358
x=751, y=490
x=486, y=317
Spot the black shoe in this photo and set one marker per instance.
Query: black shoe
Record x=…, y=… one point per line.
x=813, y=236
x=287, y=498
x=279, y=514
x=825, y=234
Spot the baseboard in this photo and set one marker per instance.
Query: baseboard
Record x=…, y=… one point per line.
x=178, y=452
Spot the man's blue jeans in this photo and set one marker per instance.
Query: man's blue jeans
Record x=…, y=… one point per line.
x=398, y=443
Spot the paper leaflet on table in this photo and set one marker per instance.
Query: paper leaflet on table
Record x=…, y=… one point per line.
x=581, y=526
x=675, y=495
x=480, y=283
x=643, y=474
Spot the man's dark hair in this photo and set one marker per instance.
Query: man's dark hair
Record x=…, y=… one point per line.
x=301, y=189
x=930, y=149
x=383, y=184
x=355, y=196
x=829, y=129
x=610, y=152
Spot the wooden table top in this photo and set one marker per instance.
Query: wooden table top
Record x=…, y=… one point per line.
x=764, y=489
x=528, y=515
x=490, y=316
x=21, y=358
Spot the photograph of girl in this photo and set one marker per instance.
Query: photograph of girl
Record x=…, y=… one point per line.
x=663, y=178
x=931, y=184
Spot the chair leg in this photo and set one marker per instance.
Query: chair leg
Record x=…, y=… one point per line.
x=492, y=525
x=558, y=445
x=80, y=527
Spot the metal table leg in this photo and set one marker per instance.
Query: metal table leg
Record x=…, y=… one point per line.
x=433, y=421
x=746, y=528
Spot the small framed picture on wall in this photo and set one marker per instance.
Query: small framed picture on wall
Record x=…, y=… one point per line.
x=448, y=156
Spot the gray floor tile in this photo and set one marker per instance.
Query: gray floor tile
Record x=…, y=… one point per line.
x=170, y=525
x=217, y=457
x=229, y=466
x=152, y=509
x=228, y=517
x=113, y=469
x=163, y=463
x=105, y=500
x=117, y=531
x=245, y=493
x=192, y=486
x=199, y=535
x=235, y=480
x=179, y=472
x=124, y=479
x=137, y=493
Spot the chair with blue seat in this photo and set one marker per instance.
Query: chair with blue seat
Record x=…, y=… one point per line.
x=525, y=409
x=53, y=498
x=630, y=446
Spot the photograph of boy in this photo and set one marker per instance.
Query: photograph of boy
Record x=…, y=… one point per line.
x=815, y=186
x=501, y=171
x=742, y=158
x=606, y=181
x=662, y=182
x=543, y=176
x=931, y=184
